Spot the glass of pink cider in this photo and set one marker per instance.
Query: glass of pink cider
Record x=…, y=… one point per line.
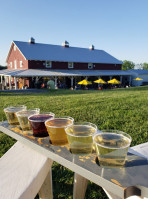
x=37, y=123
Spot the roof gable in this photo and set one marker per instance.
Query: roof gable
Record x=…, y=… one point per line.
x=11, y=48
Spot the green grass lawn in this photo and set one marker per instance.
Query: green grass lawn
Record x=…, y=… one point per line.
x=122, y=109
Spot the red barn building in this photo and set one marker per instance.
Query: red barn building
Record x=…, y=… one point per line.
x=30, y=61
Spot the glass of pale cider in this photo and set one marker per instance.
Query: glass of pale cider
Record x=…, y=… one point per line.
x=56, y=129
x=112, y=147
x=80, y=137
x=23, y=118
x=11, y=114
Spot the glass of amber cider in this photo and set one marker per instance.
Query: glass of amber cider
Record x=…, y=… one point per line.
x=56, y=129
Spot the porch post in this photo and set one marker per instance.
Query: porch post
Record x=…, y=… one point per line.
x=1, y=78
x=98, y=83
x=55, y=83
x=71, y=82
x=130, y=80
x=36, y=79
x=86, y=78
x=9, y=82
x=23, y=83
x=110, y=77
x=121, y=78
x=5, y=81
x=15, y=80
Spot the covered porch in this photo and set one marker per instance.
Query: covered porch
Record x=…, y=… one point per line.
x=22, y=79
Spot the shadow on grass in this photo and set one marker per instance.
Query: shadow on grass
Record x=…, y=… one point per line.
x=63, y=184
x=46, y=92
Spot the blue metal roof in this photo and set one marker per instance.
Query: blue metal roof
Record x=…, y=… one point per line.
x=65, y=73
x=50, y=52
x=138, y=71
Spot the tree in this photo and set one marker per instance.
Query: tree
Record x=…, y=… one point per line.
x=145, y=66
x=3, y=67
x=127, y=65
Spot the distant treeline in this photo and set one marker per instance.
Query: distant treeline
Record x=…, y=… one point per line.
x=3, y=67
x=127, y=65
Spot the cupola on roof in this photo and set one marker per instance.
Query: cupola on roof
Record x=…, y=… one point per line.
x=65, y=44
x=32, y=40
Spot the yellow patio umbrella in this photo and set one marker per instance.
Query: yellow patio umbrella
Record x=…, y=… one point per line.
x=84, y=82
x=138, y=79
x=114, y=81
x=100, y=81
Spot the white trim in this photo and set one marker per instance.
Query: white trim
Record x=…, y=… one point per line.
x=90, y=65
x=14, y=47
x=11, y=49
x=48, y=64
x=70, y=65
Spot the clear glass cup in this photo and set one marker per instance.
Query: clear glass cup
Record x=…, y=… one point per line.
x=23, y=118
x=112, y=147
x=80, y=137
x=56, y=129
x=37, y=123
x=11, y=114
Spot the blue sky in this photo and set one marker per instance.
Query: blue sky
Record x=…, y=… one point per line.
x=120, y=27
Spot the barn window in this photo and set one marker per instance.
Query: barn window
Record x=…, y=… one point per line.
x=15, y=64
x=10, y=64
x=21, y=64
x=90, y=66
x=70, y=64
x=48, y=64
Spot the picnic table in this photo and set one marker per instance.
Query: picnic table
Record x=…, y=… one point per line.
x=132, y=179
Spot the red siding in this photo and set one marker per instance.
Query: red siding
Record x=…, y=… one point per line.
x=77, y=66
x=36, y=64
x=16, y=55
x=60, y=65
x=107, y=67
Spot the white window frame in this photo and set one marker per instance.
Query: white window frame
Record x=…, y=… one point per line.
x=70, y=65
x=21, y=64
x=90, y=65
x=10, y=64
x=15, y=64
x=14, y=47
x=48, y=64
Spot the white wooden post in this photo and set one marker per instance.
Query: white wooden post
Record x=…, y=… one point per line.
x=71, y=82
x=55, y=83
x=15, y=80
x=9, y=82
x=80, y=186
x=36, y=80
x=5, y=79
x=23, y=83
x=86, y=78
x=110, y=77
x=1, y=78
x=46, y=191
